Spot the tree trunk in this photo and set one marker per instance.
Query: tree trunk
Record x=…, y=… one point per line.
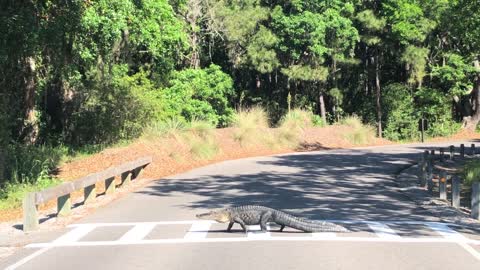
x=194, y=12
x=321, y=101
x=378, y=95
x=471, y=122
x=30, y=128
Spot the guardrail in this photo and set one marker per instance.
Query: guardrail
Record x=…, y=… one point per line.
x=450, y=173
x=128, y=172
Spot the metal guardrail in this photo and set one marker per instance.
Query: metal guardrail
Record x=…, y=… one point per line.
x=128, y=172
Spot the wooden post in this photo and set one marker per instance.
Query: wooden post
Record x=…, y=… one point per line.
x=126, y=178
x=432, y=155
x=442, y=185
x=89, y=194
x=424, y=169
x=455, y=191
x=137, y=173
x=452, y=152
x=472, y=149
x=476, y=200
x=64, y=205
x=462, y=150
x=30, y=213
x=110, y=185
x=442, y=154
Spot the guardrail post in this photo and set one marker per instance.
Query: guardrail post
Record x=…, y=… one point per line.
x=126, y=178
x=30, y=213
x=137, y=173
x=462, y=150
x=455, y=191
x=64, y=205
x=472, y=149
x=442, y=154
x=424, y=168
x=476, y=200
x=442, y=185
x=110, y=185
x=89, y=194
x=432, y=154
x=452, y=151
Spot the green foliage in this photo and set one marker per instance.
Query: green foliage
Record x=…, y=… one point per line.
x=30, y=164
x=200, y=94
x=455, y=75
x=432, y=104
x=400, y=119
x=471, y=171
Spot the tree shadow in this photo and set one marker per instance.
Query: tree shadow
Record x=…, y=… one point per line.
x=334, y=185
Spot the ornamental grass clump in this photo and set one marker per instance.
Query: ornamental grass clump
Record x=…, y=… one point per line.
x=359, y=133
x=251, y=127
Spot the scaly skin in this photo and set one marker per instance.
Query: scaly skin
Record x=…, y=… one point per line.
x=255, y=214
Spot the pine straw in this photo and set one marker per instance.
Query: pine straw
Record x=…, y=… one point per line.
x=171, y=157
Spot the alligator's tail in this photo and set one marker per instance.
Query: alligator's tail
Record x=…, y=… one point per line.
x=307, y=225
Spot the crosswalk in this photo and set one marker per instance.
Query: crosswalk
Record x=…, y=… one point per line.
x=194, y=231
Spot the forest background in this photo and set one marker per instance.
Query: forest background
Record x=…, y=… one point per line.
x=77, y=75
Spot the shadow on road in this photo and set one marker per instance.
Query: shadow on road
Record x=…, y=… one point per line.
x=341, y=184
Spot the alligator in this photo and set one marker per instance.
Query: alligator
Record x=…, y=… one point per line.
x=256, y=214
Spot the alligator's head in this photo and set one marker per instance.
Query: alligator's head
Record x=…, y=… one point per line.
x=221, y=216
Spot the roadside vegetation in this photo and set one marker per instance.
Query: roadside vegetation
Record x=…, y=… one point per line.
x=80, y=76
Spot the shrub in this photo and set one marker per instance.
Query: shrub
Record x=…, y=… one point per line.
x=400, y=120
x=200, y=94
x=359, y=133
x=471, y=171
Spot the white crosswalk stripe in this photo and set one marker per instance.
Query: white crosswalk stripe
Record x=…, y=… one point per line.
x=382, y=230
x=199, y=231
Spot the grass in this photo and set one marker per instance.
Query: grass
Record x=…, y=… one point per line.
x=292, y=127
x=360, y=133
x=11, y=195
x=197, y=135
x=251, y=127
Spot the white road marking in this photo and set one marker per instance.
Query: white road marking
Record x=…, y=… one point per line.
x=28, y=258
x=382, y=230
x=445, y=231
x=136, y=223
x=199, y=230
x=470, y=250
x=324, y=235
x=246, y=239
x=255, y=232
x=138, y=232
x=75, y=234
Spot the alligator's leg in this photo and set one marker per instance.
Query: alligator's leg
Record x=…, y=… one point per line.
x=267, y=216
x=240, y=221
x=282, y=227
x=230, y=225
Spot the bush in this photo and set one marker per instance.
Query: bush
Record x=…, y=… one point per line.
x=435, y=106
x=360, y=133
x=471, y=171
x=400, y=120
x=200, y=94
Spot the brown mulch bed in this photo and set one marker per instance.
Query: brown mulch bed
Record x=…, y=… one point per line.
x=171, y=157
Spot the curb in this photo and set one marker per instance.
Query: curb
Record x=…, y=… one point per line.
x=408, y=182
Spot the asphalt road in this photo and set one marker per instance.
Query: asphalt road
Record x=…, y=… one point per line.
x=155, y=228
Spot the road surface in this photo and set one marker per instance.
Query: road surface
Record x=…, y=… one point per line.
x=155, y=227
